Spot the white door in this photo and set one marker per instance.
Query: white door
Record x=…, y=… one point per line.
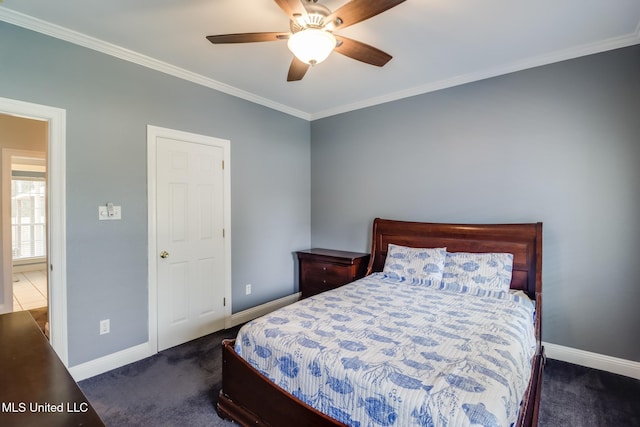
x=190, y=227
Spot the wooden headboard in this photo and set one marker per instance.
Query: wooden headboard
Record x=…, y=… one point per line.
x=524, y=241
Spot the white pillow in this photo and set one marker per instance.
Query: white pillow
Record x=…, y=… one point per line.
x=491, y=271
x=415, y=264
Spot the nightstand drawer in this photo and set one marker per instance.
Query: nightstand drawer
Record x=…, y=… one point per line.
x=325, y=273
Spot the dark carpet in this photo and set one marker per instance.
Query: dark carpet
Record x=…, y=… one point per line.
x=179, y=387
x=573, y=395
x=176, y=387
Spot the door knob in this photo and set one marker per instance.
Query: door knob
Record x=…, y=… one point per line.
x=164, y=254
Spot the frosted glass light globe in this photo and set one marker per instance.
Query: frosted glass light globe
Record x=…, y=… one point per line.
x=312, y=46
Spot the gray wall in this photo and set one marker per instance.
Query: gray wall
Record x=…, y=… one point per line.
x=558, y=144
x=109, y=103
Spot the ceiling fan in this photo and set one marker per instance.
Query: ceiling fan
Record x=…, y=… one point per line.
x=312, y=37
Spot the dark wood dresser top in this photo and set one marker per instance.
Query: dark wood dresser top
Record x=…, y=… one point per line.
x=332, y=254
x=36, y=389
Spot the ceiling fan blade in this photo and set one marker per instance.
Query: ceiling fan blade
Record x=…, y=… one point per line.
x=293, y=8
x=247, y=37
x=297, y=70
x=358, y=10
x=361, y=51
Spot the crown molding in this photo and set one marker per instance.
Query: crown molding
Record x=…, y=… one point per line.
x=80, y=39
x=537, y=61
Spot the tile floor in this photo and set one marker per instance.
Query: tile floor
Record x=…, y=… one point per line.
x=29, y=290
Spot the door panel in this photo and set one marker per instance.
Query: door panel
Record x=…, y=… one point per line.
x=190, y=222
x=178, y=304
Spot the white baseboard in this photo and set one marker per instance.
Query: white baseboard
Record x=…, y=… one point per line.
x=614, y=365
x=111, y=361
x=124, y=357
x=23, y=268
x=260, y=310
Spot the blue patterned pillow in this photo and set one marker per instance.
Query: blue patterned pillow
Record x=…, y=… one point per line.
x=491, y=271
x=415, y=264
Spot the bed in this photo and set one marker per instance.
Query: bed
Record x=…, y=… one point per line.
x=410, y=368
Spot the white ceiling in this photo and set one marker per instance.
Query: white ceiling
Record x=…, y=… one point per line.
x=434, y=43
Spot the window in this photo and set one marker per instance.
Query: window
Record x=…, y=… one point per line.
x=28, y=215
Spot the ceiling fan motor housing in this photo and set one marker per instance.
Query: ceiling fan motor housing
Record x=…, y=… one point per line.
x=315, y=17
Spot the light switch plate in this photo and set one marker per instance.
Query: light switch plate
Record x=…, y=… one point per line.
x=103, y=213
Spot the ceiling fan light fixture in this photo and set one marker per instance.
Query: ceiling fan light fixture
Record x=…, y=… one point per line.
x=312, y=45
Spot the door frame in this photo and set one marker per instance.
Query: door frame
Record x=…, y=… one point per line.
x=153, y=133
x=56, y=216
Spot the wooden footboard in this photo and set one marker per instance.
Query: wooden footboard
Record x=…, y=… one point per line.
x=531, y=400
x=246, y=393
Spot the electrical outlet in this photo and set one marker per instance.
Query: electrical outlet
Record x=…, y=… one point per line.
x=247, y=289
x=105, y=326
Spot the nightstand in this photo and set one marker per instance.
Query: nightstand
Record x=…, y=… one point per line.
x=325, y=269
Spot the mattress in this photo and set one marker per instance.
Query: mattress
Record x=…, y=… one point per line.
x=386, y=352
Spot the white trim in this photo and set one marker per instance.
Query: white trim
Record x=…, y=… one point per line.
x=6, y=254
x=80, y=39
x=260, y=310
x=615, y=365
x=111, y=361
x=152, y=267
x=154, y=132
x=57, y=243
x=23, y=268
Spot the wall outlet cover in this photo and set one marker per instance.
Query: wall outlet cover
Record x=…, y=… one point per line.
x=105, y=326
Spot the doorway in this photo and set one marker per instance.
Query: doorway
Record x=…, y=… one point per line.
x=55, y=237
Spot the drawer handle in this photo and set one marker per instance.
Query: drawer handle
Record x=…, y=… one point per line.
x=324, y=281
x=324, y=268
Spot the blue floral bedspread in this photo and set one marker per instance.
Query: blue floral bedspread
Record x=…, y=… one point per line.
x=385, y=352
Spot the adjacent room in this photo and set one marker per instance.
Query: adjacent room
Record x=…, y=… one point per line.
x=473, y=113
x=24, y=145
